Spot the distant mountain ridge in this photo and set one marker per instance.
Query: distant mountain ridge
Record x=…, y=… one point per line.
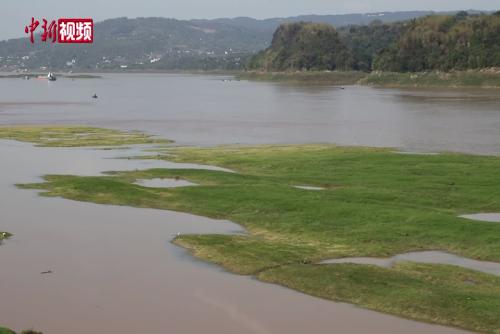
x=339, y=20
x=335, y=20
x=166, y=44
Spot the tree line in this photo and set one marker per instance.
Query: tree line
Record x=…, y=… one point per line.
x=436, y=42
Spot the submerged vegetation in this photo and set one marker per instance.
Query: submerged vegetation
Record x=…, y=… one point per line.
x=4, y=235
x=8, y=331
x=375, y=203
x=75, y=136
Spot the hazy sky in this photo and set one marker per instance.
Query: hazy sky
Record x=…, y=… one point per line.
x=15, y=14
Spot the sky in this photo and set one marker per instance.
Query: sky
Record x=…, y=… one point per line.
x=16, y=14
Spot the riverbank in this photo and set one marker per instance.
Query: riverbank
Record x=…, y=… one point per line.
x=374, y=203
x=455, y=79
x=309, y=77
x=488, y=78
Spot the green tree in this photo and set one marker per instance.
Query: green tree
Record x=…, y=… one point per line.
x=304, y=46
x=444, y=43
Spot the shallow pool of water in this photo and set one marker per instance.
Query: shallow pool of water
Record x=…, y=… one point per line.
x=484, y=217
x=164, y=183
x=309, y=188
x=432, y=257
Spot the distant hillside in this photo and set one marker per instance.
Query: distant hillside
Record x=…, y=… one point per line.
x=304, y=46
x=141, y=43
x=160, y=43
x=445, y=43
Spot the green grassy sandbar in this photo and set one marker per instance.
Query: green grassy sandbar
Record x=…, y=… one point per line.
x=76, y=136
x=376, y=203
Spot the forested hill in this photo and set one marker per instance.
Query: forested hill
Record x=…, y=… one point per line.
x=304, y=46
x=314, y=46
x=445, y=43
x=436, y=42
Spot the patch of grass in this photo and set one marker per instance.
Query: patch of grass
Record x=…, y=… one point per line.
x=75, y=136
x=375, y=203
x=487, y=78
x=245, y=255
x=472, y=78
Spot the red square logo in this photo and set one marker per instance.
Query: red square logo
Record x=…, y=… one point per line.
x=75, y=30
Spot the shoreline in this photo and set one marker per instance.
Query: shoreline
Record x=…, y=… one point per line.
x=480, y=79
x=484, y=79
x=98, y=74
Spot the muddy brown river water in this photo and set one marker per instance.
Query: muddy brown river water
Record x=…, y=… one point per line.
x=114, y=269
x=205, y=110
